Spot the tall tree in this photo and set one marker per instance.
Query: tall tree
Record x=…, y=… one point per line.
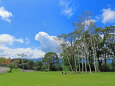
x=22, y=57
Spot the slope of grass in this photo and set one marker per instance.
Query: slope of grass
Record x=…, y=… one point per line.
x=56, y=79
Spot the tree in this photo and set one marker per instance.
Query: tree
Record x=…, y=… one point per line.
x=87, y=46
x=22, y=56
x=51, y=61
x=11, y=66
x=68, y=47
x=17, y=62
x=30, y=64
x=2, y=59
x=66, y=58
x=38, y=65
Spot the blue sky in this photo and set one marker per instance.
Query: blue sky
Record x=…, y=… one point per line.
x=30, y=26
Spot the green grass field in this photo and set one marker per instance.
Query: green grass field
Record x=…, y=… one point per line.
x=56, y=79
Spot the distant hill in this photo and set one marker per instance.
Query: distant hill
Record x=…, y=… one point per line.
x=37, y=59
x=40, y=59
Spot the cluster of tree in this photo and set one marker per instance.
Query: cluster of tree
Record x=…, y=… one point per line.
x=88, y=47
x=50, y=62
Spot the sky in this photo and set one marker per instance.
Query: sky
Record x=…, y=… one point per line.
x=32, y=26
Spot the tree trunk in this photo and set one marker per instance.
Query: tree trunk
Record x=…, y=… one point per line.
x=89, y=66
x=82, y=64
x=23, y=64
x=63, y=63
x=10, y=69
x=75, y=63
x=85, y=54
x=94, y=55
x=94, y=61
x=79, y=63
x=85, y=65
x=82, y=59
x=48, y=66
x=105, y=61
x=70, y=64
x=99, y=62
x=89, y=63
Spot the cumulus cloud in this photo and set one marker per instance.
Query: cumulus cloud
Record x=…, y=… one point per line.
x=108, y=16
x=12, y=53
x=5, y=15
x=48, y=43
x=8, y=39
x=68, y=7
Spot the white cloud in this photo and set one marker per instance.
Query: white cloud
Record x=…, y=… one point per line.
x=68, y=7
x=108, y=16
x=12, y=53
x=68, y=12
x=48, y=43
x=88, y=22
x=19, y=40
x=5, y=15
x=8, y=39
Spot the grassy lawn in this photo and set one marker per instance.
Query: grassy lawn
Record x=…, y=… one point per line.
x=56, y=79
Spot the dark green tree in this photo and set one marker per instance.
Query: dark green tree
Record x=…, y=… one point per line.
x=38, y=65
x=11, y=66
x=30, y=64
x=51, y=61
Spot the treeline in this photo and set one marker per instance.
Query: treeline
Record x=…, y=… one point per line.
x=88, y=47
x=50, y=62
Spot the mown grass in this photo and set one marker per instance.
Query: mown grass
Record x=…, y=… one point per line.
x=56, y=79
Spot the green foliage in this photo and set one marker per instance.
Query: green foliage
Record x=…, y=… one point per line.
x=51, y=61
x=38, y=65
x=11, y=66
x=30, y=64
x=2, y=59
